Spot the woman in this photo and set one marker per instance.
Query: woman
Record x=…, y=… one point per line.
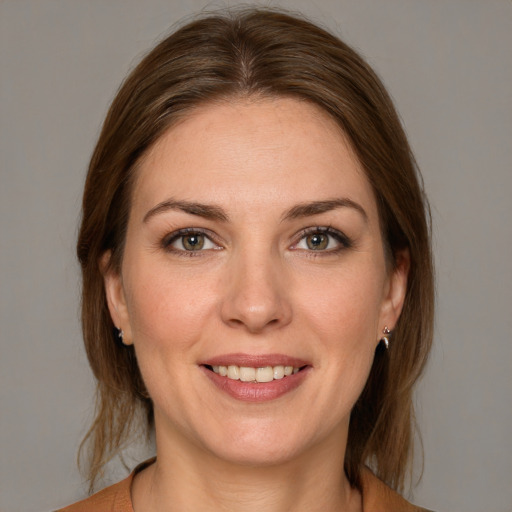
x=257, y=275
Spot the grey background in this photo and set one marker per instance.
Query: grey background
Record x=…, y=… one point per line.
x=447, y=64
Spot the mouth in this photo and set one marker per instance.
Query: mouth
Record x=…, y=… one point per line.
x=255, y=374
x=256, y=378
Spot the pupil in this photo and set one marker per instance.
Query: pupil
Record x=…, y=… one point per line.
x=317, y=241
x=193, y=242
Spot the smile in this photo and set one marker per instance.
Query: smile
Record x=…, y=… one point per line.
x=255, y=375
x=256, y=378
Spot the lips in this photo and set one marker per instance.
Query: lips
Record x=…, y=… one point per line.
x=256, y=378
x=250, y=374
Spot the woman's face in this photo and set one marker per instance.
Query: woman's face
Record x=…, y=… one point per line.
x=254, y=242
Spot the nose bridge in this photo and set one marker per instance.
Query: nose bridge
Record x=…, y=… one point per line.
x=255, y=295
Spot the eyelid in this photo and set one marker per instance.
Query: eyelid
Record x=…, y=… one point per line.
x=344, y=241
x=168, y=239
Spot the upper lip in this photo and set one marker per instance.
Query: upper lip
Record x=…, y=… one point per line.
x=255, y=361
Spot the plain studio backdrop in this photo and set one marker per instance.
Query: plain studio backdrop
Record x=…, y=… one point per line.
x=448, y=66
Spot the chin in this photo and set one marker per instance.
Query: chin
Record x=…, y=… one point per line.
x=258, y=445
x=257, y=455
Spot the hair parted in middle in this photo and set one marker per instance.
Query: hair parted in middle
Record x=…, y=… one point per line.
x=258, y=53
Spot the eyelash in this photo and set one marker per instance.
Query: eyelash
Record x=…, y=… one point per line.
x=176, y=235
x=343, y=241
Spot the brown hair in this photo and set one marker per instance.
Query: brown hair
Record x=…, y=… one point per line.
x=263, y=53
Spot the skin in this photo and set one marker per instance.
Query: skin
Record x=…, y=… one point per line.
x=256, y=288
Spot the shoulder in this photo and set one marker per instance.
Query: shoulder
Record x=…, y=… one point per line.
x=378, y=497
x=115, y=498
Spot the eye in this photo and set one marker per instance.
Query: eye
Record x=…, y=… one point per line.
x=322, y=239
x=317, y=241
x=189, y=241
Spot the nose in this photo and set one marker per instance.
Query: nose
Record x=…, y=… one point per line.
x=257, y=294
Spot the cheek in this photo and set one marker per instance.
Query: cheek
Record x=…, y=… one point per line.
x=344, y=322
x=347, y=303
x=167, y=318
x=167, y=310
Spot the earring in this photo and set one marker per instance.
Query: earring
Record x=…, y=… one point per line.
x=120, y=335
x=385, y=338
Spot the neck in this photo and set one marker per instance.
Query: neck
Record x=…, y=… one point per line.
x=192, y=479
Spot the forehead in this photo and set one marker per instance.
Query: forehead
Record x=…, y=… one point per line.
x=252, y=152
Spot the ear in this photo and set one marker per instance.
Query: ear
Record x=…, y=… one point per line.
x=394, y=294
x=116, y=300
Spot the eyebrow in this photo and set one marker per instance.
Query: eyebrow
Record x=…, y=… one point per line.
x=214, y=212
x=206, y=211
x=318, y=207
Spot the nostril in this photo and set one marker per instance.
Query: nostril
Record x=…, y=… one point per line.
x=255, y=302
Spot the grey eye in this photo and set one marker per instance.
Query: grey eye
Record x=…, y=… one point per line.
x=192, y=242
x=317, y=241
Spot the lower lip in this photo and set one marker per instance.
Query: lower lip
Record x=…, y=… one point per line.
x=257, y=391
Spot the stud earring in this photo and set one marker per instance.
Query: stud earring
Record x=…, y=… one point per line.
x=385, y=338
x=120, y=335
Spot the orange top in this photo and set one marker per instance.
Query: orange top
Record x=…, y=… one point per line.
x=377, y=497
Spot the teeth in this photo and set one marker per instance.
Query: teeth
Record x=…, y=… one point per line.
x=278, y=372
x=233, y=372
x=249, y=374
x=265, y=374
